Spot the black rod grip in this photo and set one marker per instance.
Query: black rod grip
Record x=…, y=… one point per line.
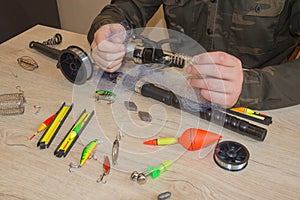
x=44, y=49
x=215, y=116
x=236, y=124
x=159, y=94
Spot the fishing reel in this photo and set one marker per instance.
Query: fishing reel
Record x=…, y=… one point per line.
x=150, y=52
x=231, y=156
x=142, y=50
x=73, y=62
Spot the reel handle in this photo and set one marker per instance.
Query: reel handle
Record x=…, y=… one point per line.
x=47, y=51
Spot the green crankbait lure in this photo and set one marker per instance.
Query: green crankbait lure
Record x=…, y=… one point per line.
x=105, y=95
x=88, y=152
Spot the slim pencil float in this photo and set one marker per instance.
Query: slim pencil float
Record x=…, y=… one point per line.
x=73, y=134
x=192, y=139
x=247, y=113
x=43, y=126
x=54, y=126
x=162, y=141
x=69, y=140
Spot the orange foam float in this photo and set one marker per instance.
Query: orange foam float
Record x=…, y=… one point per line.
x=191, y=139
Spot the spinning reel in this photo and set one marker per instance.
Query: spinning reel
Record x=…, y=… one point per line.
x=150, y=52
x=73, y=62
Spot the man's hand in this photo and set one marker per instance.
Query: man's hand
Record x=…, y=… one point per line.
x=222, y=77
x=108, y=49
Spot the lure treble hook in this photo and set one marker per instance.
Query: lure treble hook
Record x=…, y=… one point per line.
x=100, y=179
x=73, y=165
x=106, y=170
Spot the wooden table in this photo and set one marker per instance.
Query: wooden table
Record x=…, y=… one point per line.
x=27, y=172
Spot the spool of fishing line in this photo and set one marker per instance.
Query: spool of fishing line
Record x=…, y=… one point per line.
x=231, y=155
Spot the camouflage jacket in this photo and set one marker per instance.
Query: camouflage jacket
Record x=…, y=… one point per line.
x=261, y=33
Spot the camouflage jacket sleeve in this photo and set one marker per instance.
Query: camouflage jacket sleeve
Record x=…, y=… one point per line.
x=274, y=86
x=271, y=87
x=130, y=13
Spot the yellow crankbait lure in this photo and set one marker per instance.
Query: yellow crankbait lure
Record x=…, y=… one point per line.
x=87, y=153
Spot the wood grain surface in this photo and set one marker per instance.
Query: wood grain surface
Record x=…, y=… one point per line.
x=27, y=172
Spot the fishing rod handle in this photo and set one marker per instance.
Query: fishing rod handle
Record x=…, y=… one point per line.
x=215, y=116
x=44, y=49
x=233, y=123
x=159, y=94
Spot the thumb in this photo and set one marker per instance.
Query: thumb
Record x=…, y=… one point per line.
x=118, y=33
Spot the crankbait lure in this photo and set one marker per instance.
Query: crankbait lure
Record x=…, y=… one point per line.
x=106, y=170
x=88, y=152
x=105, y=95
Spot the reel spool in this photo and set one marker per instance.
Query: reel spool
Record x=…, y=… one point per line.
x=75, y=65
x=231, y=156
x=73, y=62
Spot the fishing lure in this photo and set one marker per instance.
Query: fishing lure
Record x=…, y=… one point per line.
x=105, y=95
x=115, y=148
x=106, y=170
x=88, y=152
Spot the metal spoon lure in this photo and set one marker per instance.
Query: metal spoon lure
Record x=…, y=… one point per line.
x=115, y=148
